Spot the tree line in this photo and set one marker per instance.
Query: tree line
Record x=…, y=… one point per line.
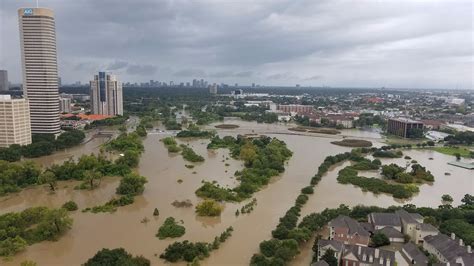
x=42, y=144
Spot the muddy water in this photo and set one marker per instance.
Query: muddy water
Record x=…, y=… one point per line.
x=92, y=232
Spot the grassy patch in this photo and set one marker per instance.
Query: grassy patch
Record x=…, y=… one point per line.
x=464, y=152
x=353, y=143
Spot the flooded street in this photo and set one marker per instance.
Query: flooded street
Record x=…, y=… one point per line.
x=91, y=232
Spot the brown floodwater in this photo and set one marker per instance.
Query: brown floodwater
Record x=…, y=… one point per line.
x=91, y=232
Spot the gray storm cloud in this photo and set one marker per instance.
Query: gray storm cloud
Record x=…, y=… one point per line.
x=283, y=42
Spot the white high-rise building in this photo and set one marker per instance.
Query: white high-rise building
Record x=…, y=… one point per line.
x=15, y=125
x=40, y=68
x=106, y=95
x=213, y=89
x=64, y=105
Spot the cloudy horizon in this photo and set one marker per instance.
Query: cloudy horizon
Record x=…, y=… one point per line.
x=370, y=43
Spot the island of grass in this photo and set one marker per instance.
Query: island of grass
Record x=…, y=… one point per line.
x=263, y=157
x=189, y=154
x=330, y=131
x=227, y=126
x=171, y=144
x=387, y=154
x=170, y=228
x=194, y=133
x=453, y=150
x=356, y=143
x=401, y=185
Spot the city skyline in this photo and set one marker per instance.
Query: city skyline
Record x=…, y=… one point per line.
x=278, y=43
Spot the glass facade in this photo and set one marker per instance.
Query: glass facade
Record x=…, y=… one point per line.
x=102, y=87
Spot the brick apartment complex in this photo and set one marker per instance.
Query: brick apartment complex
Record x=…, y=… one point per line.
x=402, y=126
x=296, y=108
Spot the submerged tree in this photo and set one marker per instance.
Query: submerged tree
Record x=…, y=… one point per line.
x=49, y=178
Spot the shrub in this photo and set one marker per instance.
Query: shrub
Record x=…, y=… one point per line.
x=70, y=206
x=170, y=229
x=307, y=190
x=131, y=184
x=116, y=256
x=209, y=208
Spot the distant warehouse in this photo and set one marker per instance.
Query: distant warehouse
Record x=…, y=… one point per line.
x=405, y=128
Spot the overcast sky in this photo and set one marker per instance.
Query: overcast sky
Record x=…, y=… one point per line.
x=363, y=43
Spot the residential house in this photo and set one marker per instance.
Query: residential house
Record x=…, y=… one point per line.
x=348, y=231
x=381, y=220
x=423, y=230
x=356, y=255
x=409, y=222
x=336, y=246
x=448, y=249
x=320, y=263
x=393, y=234
x=414, y=255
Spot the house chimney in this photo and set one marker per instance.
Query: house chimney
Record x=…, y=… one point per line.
x=461, y=243
x=453, y=236
x=469, y=249
x=359, y=249
x=376, y=255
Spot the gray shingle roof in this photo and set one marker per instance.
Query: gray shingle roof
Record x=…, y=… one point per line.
x=337, y=245
x=347, y=222
x=415, y=254
x=390, y=232
x=367, y=252
x=427, y=227
x=449, y=248
x=320, y=263
x=385, y=219
x=406, y=216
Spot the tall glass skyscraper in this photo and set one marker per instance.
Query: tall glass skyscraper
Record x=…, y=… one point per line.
x=106, y=95
x=40, y=68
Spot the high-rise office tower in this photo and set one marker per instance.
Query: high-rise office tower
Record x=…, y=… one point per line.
x=106, y=95
x=40, y=68
x=15, y=125
x=3, y=80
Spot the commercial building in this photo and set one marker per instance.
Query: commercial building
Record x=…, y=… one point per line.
x=15, y=125
x=295, y=108
x=403, y=127
x=40, y=69
x=106, y=95
x=213, y=89
x=64, y=105
x=3, y=80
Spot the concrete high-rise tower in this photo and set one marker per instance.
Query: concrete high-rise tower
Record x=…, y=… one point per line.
x=14, y=121
x=3, y=80
x=40, y=68
x=106, y=95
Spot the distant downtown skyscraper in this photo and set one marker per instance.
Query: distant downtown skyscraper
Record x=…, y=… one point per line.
x=40, y=68
x=106, y=95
